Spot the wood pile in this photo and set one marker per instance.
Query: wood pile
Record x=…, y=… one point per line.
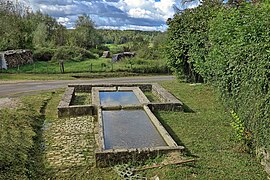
x=118, y=57
x=106, y=54
x=15, y=58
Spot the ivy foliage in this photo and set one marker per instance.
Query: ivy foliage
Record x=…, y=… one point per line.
x=188, y=40
x=238, y=64
x=229, y=47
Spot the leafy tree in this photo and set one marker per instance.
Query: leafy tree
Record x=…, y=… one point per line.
x=40, y=35
x=188, y=40
x=85, y=33
x=238, y=65
x=229, y=47
x=13, y=30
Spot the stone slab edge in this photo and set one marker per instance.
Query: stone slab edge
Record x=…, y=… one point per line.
x=162, y=131
x=87, y=87
x=115, y=156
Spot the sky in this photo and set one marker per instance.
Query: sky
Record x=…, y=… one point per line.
x=110, y=14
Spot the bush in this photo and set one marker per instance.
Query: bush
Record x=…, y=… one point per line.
x=97, y=52
x=43, y=54
x=187, y=46
x=238, y=66
x=72, y=53
x=231, y=51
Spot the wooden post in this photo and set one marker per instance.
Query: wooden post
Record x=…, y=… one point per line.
x=61, y=64
x=91, y=67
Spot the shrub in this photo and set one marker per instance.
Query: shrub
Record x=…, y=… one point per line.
x=231, y=51
x=238, y=65
x=43, y=54
x=72, y=53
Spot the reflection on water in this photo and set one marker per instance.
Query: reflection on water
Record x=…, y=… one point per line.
x=129, y=129
x=118, y=98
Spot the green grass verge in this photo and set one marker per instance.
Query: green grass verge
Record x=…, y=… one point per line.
x=207, y=136
x=92, y=66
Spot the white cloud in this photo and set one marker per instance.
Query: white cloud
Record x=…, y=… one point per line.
x=116, y=14
x=140, y=13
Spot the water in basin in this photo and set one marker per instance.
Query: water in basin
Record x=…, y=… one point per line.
x=118, y=98
x=129, y=129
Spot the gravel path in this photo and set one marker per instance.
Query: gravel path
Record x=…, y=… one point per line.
x=9, y=102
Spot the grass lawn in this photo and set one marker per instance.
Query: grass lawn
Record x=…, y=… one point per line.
x=91, y=68
x=92, y=65
x=206, y=133
x=66, y=76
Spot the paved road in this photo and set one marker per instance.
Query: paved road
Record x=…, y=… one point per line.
x=32, y=87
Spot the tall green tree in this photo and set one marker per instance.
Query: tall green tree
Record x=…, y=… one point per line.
x=85, y=32
x=40, y=35
x=188, y=40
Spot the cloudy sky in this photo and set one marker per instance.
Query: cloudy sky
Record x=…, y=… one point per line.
x=110, y=14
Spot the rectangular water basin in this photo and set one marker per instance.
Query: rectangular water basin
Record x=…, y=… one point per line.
x=129, y=129
x=115, y=98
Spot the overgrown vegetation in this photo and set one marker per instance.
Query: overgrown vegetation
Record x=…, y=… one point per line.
x=16, y=141
x=21, y=140
x=228, y=46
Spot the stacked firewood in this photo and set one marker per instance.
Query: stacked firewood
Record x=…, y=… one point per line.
x=15, y=58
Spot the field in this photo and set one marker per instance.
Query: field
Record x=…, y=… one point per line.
x=134, y=65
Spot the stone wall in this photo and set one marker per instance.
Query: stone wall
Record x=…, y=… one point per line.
x=74, y=111
x=88, y=87
x=168, y=101
x=117, y=156
x=66, y=110
x=15, y=58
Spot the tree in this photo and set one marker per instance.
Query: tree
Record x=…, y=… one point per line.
x=188, y=40
x=85, y=33
x=40, y=35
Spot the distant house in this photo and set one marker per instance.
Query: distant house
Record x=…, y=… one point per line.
x=15, y=58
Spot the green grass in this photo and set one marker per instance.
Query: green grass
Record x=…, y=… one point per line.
x=207, y=135
x=69, y=76
x=151, y=97
x=50, y=116
x=24, y=76
x=92, y=66
x=116, y=48
x=82, y=99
